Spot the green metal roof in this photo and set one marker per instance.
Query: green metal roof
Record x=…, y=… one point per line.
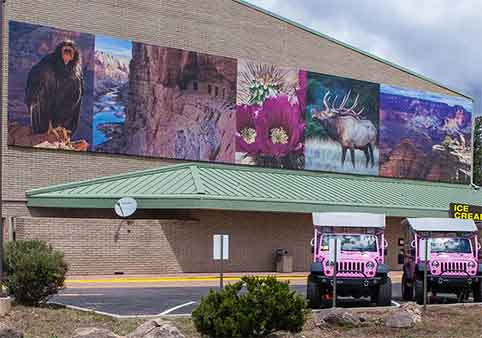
x=229, y=187
x=338, y=42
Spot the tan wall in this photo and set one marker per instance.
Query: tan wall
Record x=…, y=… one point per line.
x=100, y=246
x=221, y=27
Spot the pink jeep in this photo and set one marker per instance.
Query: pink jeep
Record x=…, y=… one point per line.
x=453, y=262
x=361, y=271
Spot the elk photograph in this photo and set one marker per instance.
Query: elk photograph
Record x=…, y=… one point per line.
x=342, y=122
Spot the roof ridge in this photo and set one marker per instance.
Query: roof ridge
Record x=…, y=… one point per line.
x=356, y=177
x=104, y=179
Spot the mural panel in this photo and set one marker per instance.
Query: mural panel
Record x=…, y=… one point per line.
x=342, y=124
x=180, y=105
x=111, y=93
x=425, y=135
x=50, y=87
x=77, y=91
x=269, y=115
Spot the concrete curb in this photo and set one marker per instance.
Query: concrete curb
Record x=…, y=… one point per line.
x=112, y=315
x=168, y=279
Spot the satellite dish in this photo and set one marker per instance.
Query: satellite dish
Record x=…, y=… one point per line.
x=125, y=207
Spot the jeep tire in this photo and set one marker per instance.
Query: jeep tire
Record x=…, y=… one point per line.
x=313, y=294
x=407, y=290
x=477, y=291
x=384, y=293
x=419, y=291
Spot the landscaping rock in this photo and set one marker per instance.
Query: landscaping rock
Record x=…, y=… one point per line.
x=92, y=332
x=399, y=319
x=414, y=310
x=404, y=317
x=10, y=333
x=156, y=328
x=341, y=318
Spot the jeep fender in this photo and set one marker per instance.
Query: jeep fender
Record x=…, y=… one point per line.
x=316, y=268
x=382, y=269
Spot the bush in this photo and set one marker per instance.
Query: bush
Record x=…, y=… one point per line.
x=252, y=307
x=34, y=271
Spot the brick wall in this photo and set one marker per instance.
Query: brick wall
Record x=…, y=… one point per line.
x=101, y=246
x=221, y=27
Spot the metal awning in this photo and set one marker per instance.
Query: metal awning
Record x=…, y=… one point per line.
x=248, y=188
x=441, y=224
x=349, y=219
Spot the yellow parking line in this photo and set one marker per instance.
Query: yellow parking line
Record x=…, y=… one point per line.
x=166, y=279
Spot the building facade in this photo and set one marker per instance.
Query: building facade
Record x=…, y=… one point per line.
x=167, y=83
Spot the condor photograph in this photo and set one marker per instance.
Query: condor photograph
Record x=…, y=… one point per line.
x=50, y=94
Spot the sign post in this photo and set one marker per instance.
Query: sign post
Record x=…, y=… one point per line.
x=425, y=245
x=334, y=249
x=221, y=253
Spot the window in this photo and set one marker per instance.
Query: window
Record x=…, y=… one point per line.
x=210, y=89
x=216, y=91
x=224, y=93
x=195, y=86
x=352, y=242
x=450, y=245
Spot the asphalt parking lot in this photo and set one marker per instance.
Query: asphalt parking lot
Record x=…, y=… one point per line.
x=152, y=301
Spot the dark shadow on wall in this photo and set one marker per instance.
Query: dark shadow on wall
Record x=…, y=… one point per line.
x=254, y=238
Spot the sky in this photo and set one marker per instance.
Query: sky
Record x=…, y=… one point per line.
x=115, y=47
x=436, y=38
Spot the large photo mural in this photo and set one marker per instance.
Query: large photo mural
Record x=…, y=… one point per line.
x=83, y=92
x=341, y=132
x=425, y=135
x=50, y=87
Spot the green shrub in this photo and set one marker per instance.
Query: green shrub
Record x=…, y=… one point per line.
x=34, y=271
x=254, y=306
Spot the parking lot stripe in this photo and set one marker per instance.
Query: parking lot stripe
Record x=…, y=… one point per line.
x=176, y=308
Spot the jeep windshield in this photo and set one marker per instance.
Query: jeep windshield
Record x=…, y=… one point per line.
x=450, y=245
x=352, y=242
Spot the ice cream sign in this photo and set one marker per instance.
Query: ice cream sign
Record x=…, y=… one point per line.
x=466, y=211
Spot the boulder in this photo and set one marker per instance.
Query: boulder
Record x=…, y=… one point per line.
x=414, y=310
x=156, y=328
x=341, y=318
x=92, y=332
x=10, y=333
x=399, y=319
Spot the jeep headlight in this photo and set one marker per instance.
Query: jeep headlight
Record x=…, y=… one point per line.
x=370, y=265
x=435, y=264
x=471, y=264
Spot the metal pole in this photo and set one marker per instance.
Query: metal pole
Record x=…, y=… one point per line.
x=334, y=274
x=425, y=275
x=221, y=284
x=2, y=227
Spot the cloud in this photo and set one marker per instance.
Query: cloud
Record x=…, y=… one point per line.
x=435, y=38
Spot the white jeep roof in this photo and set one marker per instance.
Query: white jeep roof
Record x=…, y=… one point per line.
x=349, y=219
x=441, y=224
